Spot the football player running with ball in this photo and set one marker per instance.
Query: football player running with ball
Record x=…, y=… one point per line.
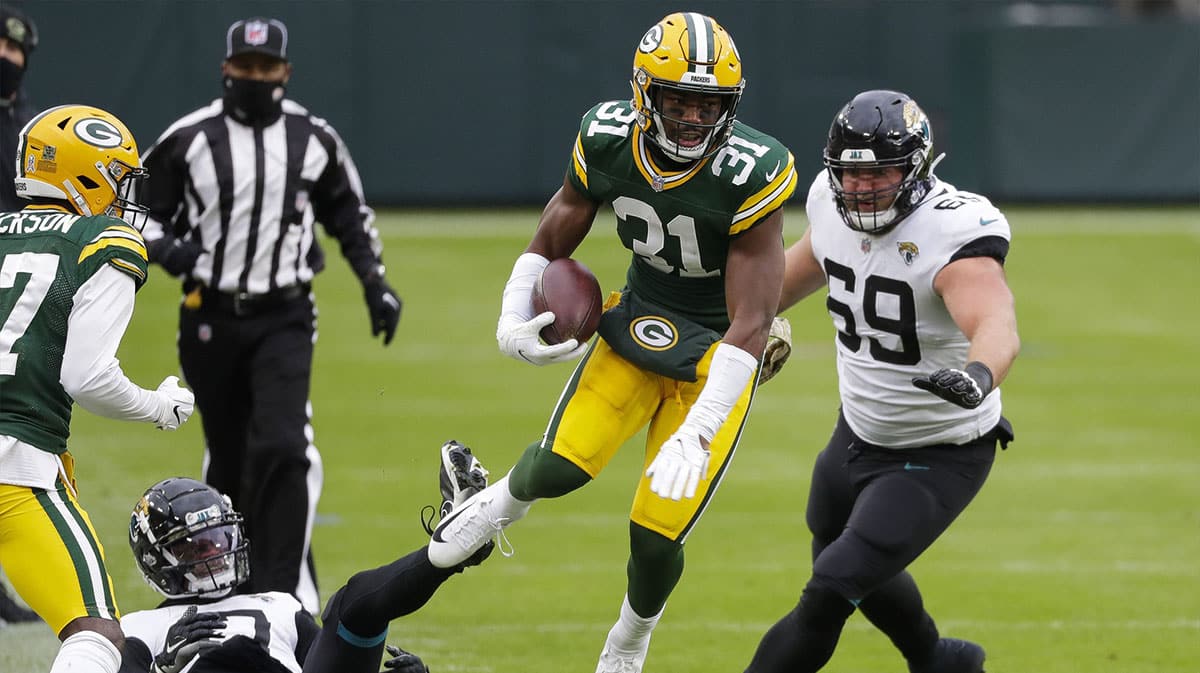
x=697, y=198
x=926, y=331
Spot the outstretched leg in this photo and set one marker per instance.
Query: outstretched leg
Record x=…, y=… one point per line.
x=355, y=621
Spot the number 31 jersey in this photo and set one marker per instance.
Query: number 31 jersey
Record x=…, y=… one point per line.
x=678, y=219
x=891, y=324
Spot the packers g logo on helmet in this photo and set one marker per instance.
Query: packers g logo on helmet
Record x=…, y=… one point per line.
x=687, y=53
x=98, y=132
x=82, y=157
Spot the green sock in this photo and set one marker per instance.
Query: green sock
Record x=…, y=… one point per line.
x=655, y=566
x=541, y=473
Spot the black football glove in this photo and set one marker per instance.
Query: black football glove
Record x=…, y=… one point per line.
x=187, y=638
x=965, y=387
x=384, y=306
x=176, y=257
x=403, y=662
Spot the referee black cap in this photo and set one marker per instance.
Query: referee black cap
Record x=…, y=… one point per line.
x=18, y=28
x=257, y=36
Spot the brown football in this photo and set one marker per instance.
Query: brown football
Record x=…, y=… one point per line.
x=571, y=291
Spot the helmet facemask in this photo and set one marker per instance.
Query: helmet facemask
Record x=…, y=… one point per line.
x=664, y=98
x=125, y=181
x=903, y=194
x=209, y=561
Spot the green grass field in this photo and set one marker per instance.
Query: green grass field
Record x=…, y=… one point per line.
x=1082, y=553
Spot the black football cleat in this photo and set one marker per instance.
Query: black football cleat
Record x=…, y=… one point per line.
x=460, y=476
x=12, y=612
x=952, y=655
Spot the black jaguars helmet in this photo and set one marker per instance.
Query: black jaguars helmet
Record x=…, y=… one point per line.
x=880, y=129
x=187, y=539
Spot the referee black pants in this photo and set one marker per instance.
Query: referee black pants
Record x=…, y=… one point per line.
x=251, y=376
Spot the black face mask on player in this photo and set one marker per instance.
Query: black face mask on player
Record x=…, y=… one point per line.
x=10, y=78
x=253, y=102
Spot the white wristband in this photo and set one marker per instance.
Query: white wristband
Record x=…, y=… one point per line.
x=518, y=292
x=728, y=374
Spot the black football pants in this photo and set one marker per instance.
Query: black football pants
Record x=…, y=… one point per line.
x=872, y=511
x=251, y=376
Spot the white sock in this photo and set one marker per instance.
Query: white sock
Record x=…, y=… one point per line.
x=632, y=631
x=504, y=505
x=87, y=652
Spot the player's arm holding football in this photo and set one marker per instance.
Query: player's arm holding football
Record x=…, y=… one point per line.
x=753, y=273
x=564, y=223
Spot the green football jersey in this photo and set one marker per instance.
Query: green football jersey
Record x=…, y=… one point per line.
x=678, y=223
x=45, y=256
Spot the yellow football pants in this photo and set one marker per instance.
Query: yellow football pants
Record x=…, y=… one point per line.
x=52, y=555
x=608, y=400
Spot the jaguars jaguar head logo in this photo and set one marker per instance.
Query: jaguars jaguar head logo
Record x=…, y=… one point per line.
x=908, y=251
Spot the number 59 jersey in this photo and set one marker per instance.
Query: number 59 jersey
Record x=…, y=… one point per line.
x=891, y=323
x=678, y=219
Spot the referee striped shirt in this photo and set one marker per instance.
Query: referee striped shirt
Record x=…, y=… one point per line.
x=249, y=196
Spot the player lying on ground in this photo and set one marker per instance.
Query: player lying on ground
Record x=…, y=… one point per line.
x=189, y=544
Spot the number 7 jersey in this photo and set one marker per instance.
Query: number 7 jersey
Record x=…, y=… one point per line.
x=678, y=219
x=891, y=323
x=45, y=256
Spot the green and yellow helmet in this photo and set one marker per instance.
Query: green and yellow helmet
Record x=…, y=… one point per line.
x=80, y=156
x=688, y=53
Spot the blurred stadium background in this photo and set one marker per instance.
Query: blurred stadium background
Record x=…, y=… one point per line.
x=1082, y=119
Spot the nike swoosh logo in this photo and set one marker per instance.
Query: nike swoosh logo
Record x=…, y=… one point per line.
x=521, y=352
x=178, y=420
x=984, y=223
x=909, y=467
x=437, y=532
x=774, y=171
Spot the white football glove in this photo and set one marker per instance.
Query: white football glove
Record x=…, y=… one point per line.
x=520, y=340
x=779, y=349
x=679, y=466
x=175, y=404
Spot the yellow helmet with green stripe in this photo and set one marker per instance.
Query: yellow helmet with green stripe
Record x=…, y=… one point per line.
x=79, y=156
x=687, y=81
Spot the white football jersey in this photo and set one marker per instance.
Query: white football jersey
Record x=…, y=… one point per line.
x=891, y=324
x=269, y=619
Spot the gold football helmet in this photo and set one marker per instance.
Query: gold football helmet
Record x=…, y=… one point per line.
x=82, y=157
x=686, y=54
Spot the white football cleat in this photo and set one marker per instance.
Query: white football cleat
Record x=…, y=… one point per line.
x=467, y=528
x=613, y=661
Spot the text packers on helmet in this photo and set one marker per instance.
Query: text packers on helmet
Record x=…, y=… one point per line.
x=688, y=53
x=82, y=157
x=188, y=540
x=880, y=129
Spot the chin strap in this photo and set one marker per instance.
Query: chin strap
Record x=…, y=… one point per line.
x=78, y=199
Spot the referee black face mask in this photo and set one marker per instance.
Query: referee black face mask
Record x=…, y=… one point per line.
x=253, y=102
